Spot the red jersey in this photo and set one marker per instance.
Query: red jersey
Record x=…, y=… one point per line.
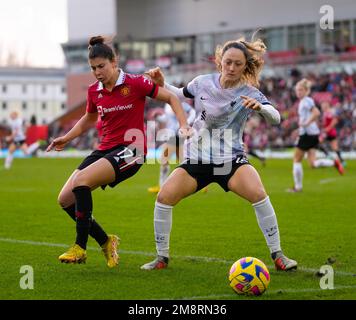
x=328, y=117
x=99, y=127
x=121, y=109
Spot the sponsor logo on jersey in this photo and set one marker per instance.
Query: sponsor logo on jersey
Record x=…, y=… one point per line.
x=100, y=111
x=103, y=110
x=100, y=96
x=118, y=108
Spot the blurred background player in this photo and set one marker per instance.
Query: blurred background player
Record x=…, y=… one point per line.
x=308, y=137
x=174, y=143
x=17, y=138
x=328, y=131
x=248, y=146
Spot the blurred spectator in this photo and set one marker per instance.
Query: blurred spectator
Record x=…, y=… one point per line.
x=340, y=88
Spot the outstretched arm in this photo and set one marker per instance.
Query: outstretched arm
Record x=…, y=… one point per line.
x=191, y=116
x=85, y=122
x=269, y=112
x=173, y=101
x=157, y=77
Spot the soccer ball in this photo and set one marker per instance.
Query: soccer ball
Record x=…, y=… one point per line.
x=249, y=276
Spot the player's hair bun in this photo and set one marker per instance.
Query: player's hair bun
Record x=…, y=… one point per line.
x=96, y=40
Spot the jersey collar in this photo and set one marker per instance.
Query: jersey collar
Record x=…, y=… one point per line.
x=120, y=80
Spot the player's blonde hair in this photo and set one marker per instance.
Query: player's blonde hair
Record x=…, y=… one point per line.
x=253, y=51
x=15, y=112
x=304, y=83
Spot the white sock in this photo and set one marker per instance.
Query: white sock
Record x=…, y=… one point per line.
x=163, y=227
x=298, y=175
x=163, y=174
x=33, y=147
x=323, y=163
x=267, y=222
x=8, y=161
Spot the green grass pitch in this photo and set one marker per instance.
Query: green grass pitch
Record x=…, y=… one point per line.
x=210, y=231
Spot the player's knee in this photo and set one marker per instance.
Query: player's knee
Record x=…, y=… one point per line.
x=60, y=201
x=80, y=179
x=258, y=195
x=63, y=200
x=167, y=198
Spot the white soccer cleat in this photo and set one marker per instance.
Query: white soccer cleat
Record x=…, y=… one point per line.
x=283, y=263
x=159, y=263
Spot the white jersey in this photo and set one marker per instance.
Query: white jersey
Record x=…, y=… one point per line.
x=170, y=117
x=220, y=124
x=304, y=112
x=17, y=128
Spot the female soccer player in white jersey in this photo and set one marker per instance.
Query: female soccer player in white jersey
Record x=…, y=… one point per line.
x=119, y=99
x=173, y=142
x=215, y=152
x=308, y=136
x=17, y=138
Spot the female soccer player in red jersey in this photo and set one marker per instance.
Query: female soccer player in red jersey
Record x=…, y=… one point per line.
x=119, y=99
x=328, y=132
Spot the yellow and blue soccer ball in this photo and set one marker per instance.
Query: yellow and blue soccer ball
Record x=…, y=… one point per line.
x=249, y=276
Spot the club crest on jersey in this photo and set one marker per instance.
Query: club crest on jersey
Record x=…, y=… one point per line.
x=125, y=90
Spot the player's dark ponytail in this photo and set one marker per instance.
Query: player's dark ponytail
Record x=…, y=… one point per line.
x=99, y=49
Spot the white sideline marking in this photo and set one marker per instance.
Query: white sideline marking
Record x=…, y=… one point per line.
x=339, y=178
x=268, y=293
x=150, y=254
x=17, y=189
x=325, y=181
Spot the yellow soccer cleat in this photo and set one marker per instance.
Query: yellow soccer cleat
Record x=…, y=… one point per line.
x=109, y=249
x=154, y=189
x=75, y=254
